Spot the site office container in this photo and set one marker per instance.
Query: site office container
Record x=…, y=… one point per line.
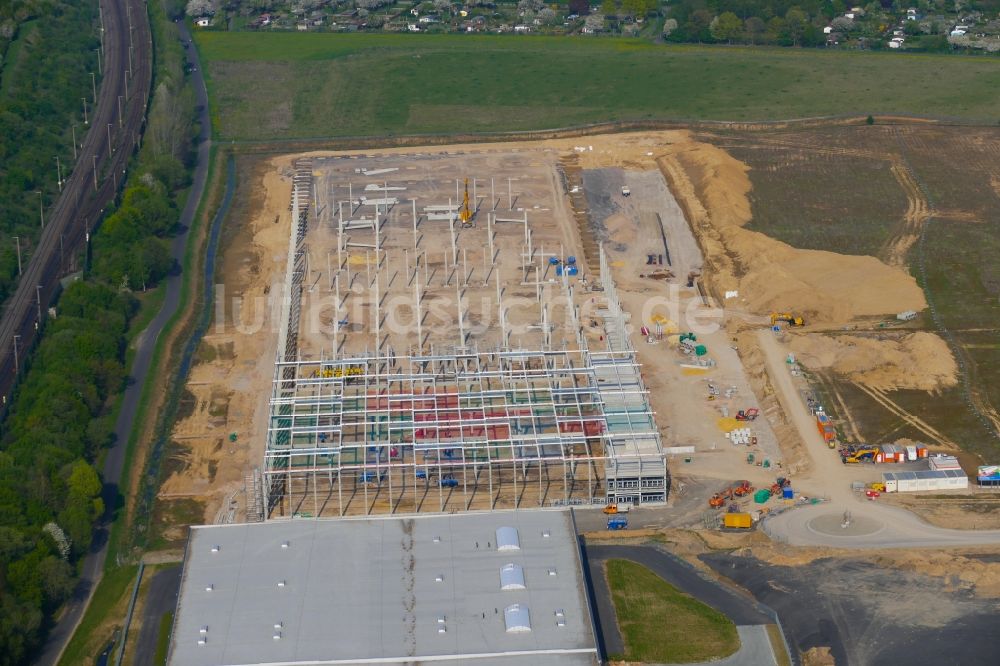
x=740, y=520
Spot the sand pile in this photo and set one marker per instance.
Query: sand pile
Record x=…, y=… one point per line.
x=919, y=360
x=824, y=287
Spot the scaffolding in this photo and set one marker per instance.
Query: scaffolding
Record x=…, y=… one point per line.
x=461, y=430
x=465, y=425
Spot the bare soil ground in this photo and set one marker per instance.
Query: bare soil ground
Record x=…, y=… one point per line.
x=226, y=387
x=962, y=510
x=710, y=189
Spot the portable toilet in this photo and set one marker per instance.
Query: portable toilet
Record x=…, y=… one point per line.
x=572, y=270
x=570, y=260
x=700, y=350
x=761, y=496
x=554, y=261
x=559, y=270
x=787, y=493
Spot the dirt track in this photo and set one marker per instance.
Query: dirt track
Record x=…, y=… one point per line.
x=818, y=525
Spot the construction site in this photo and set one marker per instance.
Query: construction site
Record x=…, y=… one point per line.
x=547, y=324
x=448, y=346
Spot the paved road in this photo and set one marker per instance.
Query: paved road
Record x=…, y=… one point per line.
x=105, y=152
x=743, y=611
x=161, y=598
x=888, y=527
x=93, y=564
x=883, y=526
x=755, y=649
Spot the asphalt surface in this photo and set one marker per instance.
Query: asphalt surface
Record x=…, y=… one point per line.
x=161, y=598
x=867, y=614
x=93, y=563
x=741, y=610
x=84, y=195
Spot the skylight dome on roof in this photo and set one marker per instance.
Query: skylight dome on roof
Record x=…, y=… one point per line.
x=511, y=577
x=516, y=618
x=507, y=539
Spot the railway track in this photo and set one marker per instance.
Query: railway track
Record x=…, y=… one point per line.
x=92, y=185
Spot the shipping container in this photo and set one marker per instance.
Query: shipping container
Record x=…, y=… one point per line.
x=740, y=520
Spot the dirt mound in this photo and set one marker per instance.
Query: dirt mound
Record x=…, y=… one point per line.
x=919, y=360
x=825, y=287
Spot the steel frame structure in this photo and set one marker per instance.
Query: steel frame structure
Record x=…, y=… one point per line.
x=457, y=428
x=374, y=434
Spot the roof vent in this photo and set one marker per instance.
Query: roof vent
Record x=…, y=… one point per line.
x=285, y=544
x=442, y=618
x=437, y=539
x=511, y=577
x=216, y=549
x=203, y=630
x=279, y=625
x=277, y=636
x=517, y=619
x=439, y=578
x=507, y=539
x=546, y=534
x=209, y=587
x=202, y=641
x=442, y=629
x=281, y=583
x=552, y=571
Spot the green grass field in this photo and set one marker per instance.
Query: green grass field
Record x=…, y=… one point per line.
x=831, y=188
x=661, y=624
x=283, y=86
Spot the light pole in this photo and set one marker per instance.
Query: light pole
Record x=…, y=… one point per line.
x=119, y=110
x=85, y=121
x=38, y=296
x=95, y=171
x=17, y=240
x=100, y=70
x=109, y=140
x=41, y=213
x=17, y=367
x=58, y=173
x=74, y=142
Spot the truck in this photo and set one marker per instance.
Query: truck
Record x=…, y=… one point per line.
x=617, y=523
x=612, y=509
x=825, y=428
x=626, y=191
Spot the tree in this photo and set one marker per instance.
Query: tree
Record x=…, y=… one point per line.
x=796, y=22
x=609, y=7
x=579, y=7
x=699, y=26
x=669, y=25
x=594, y=22
x=726, y=27
x=196, y=8
x=754, y=27
x=548, y=16
x=524, y=6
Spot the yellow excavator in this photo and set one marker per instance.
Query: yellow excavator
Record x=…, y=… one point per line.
x=788, y=318
x=859, y=455
x=465, y=212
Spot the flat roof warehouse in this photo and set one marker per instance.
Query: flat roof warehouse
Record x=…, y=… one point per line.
x=503, y=587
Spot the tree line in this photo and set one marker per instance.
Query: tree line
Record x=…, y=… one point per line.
x=61, y=418
x=47, y=50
